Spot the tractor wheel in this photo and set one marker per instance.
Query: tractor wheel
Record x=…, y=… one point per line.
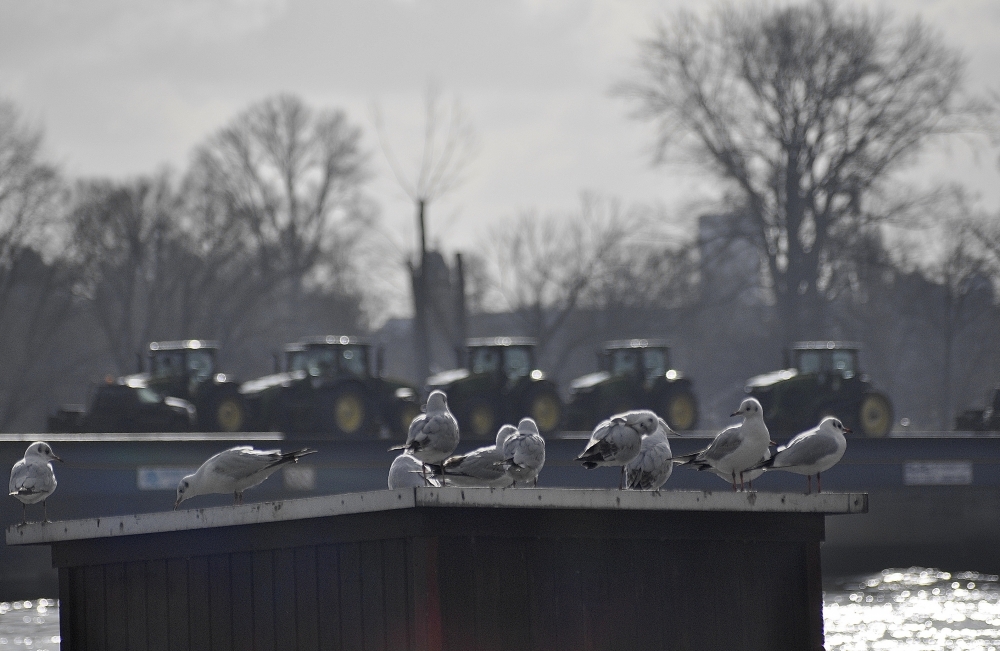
x=875, y=415
x=680, y=410
x=348, y=413
x=407, y=413
x=229, y=413
x=545, y=408
x=480, y=420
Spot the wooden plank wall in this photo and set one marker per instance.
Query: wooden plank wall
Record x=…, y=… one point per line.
x=455, y=592
x=341, y=596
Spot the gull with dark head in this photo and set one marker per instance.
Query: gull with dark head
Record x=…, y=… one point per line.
x=812, y=452
x=32, y=479
x=735, y=449
x=433, y=435
x=480, y=467
x=235, y=470
x=407, y=472
x=524, y=453
x=653, y=465
x=617, y=441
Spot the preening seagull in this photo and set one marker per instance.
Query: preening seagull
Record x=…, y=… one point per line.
x=480, y=467
x=616, y=441
x=524, y=453
x=32, y=479
x=235, y=470
x=653, y=465
x=735, y=449
x=811, y=452
x=407, y=472
x=433, y=435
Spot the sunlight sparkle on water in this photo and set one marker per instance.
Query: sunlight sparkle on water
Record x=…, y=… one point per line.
x=913, y=609
x=30, y=624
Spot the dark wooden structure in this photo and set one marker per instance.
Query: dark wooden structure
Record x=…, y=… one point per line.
x=462, y=569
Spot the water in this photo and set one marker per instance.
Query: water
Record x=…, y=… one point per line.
x=915, y=609
x=29, y=625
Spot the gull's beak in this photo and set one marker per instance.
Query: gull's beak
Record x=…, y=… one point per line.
x=176, y=504
x=55, y=458
x=848, y=430
x=772, y=442
x=735, y=413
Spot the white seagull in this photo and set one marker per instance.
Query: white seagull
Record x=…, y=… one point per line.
x=748, y=475
x=480, y=467
x=32, y=479
x=653, y=465
x=235, y=470
x=407, y=472
x=524, y=453
x=811, y=452
x=433, y=435
x=616, y=441
x=735, y=449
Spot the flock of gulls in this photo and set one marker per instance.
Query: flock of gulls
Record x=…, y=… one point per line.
x=636, y=441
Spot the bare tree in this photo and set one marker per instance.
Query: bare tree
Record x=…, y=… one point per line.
x=547, y=268
x=274, y=208
x=124, y=246
x=449, y=145
x=34, y=292
x=804, y=110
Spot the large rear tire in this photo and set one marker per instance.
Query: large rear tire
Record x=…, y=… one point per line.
x=875, y=415
x=480, y=420
x=229, y=413
x=348, y=414
x=680, y=410
x=545, y=408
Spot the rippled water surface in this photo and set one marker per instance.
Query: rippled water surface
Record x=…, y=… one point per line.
x=29, y=625
x=913, y=609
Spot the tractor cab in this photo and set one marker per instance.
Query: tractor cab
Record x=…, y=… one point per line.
x=177, y=368
x=500, y=384
x=329, y=357
x=644, y=359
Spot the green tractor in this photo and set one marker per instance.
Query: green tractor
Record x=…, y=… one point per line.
x=327, y=387
x=821, y=378
x=500, y=385
x=634, y=374
x=187, y=370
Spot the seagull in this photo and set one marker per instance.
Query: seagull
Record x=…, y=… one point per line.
x=524, y=453
x=652, y=466
x=616, y=441
x=481, y=467
x=405, y=472
x=748, y=475
x=433, y=435
x=32, y=479
x=735, y=449
x=811, y=452
x=235, y=470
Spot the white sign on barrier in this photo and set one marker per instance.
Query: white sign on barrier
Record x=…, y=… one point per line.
x=161, y=478
x=937, y=473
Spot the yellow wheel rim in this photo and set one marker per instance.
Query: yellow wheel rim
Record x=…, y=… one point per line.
x=545, y=411
x=349, y=413
x=229, y=415
x=481, y=420
x=409, y=413
x=875, y=416
x=682, y=412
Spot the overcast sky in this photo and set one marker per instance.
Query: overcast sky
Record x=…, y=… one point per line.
x=122, y=87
